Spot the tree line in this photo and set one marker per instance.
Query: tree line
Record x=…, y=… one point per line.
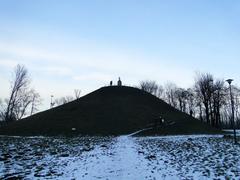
x=23, y=99
x=66, y=99
x=207, y=100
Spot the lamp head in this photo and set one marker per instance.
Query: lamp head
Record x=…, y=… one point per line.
x=229, y=81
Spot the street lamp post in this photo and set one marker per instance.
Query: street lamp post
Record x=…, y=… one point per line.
x=232, y=104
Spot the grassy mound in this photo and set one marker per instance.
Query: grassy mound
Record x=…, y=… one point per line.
x=108, y=111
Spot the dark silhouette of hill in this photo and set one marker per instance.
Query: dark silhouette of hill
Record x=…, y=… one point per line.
x=109, y=111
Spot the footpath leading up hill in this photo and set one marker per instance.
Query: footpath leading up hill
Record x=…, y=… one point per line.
x=110, y=110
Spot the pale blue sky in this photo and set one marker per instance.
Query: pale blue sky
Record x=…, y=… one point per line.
x=74, y=44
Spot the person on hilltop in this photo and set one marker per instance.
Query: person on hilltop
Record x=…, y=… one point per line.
x=119, y=83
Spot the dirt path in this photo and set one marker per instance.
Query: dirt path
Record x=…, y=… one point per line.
x=118, y=161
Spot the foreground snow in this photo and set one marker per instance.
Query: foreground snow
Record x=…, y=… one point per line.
x=124, y=157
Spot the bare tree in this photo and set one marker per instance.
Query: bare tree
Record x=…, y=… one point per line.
x=212, y=94
x=67, y=99
x=191, y=101
x=170, y=94
x=19, y=85
x=2, y=110
x=77, y=93
x=160, y=92
x=36, y=101
x=22, y=103
x=181, y=96
x=236, y=98
x=63, y=100
x=204, y=88
x=20, y=95
x=218, y=100
x=149, y=86
x=226, y=112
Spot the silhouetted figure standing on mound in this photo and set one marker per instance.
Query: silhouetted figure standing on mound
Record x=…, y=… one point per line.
x=111, y=83
x=158, y=122
x=119, y=83
x=191, y=113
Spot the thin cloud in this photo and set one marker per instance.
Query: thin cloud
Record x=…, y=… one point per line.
x=63, y=71
x=105, y=60
x=26, y=52
x=8, y=63
x=93, y=77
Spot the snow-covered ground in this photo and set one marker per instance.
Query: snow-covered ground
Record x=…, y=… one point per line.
x=124, y=157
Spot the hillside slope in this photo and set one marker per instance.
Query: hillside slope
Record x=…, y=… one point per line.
x=108, y=111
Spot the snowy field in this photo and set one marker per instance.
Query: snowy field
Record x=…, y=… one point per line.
x=124, y=157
